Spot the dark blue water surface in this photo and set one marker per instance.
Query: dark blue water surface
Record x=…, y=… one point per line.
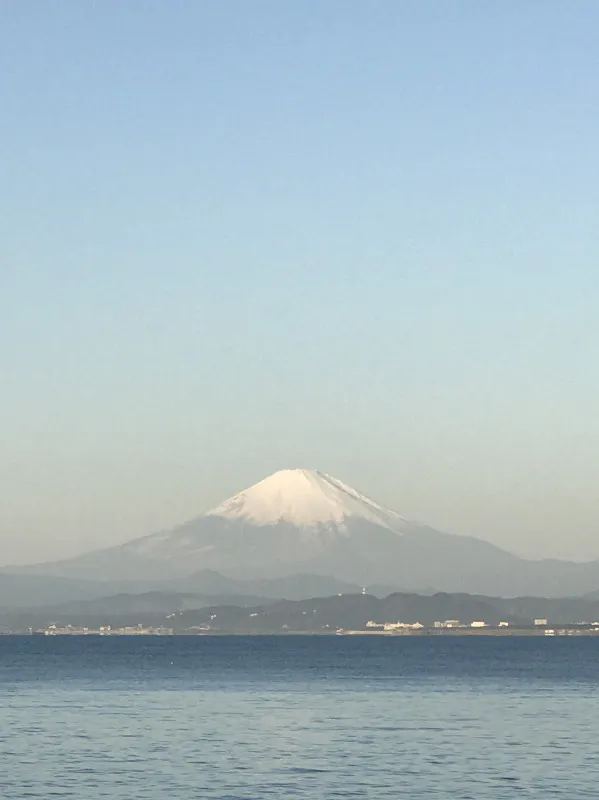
x=299, y=717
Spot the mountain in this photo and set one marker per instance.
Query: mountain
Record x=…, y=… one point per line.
x=295, y=521
x=304, y=521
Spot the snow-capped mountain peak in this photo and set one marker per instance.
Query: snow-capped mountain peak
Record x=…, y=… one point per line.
x=304, y=497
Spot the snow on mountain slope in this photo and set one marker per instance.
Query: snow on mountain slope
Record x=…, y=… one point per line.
x=304, y=497
x=304, y=521
x=293, y=521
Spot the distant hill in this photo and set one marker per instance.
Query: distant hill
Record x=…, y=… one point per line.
x=151, y=603
x=321, y=615
x=250, y=614
x=288, y=587
x=31, y=591
x=23, y=591
x=148, y=608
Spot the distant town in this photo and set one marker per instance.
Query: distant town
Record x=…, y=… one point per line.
x=157, y=613
x=455, y=626
x=538, y=627
x=104, y=630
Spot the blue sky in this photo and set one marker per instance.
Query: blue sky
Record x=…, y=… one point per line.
x=359, y=236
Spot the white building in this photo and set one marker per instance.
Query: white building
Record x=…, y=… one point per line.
x=398, y=626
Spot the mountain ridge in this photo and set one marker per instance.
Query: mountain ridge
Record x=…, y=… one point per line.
x=31, y=591
x=305, y=521
x=188, y=613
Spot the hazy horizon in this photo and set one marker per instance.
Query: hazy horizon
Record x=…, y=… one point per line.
x=242, y=237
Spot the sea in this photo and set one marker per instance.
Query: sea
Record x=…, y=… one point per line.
x=302, y=717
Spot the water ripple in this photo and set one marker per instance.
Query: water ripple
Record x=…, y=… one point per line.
x=231, y=726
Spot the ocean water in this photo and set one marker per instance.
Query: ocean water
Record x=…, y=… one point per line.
x=299, y=717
